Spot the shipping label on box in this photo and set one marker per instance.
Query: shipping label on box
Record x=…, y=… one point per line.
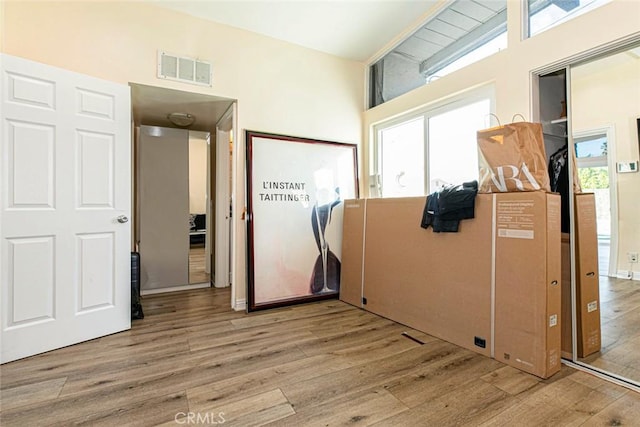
x=586, y=210
x=515, y=219
x=554, y=359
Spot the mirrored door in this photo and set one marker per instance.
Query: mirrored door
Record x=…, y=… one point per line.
x=605, y=107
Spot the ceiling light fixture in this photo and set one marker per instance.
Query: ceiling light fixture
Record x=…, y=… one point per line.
x=181, y=119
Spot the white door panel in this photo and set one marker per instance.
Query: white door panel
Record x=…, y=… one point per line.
x=95, y=173
x=96, y=284
x=26, y=281
x=31, y=158
x=66, y=166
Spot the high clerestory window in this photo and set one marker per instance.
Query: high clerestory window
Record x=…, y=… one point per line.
x=545, y=14
x=462, y=33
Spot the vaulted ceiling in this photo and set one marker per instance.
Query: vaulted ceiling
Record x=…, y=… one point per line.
x=352, y=29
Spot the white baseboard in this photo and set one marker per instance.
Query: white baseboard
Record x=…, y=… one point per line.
x=239, y=305
x=624, y=274
x=175, y=288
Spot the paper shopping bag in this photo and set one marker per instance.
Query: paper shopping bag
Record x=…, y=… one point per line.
x=511, y=157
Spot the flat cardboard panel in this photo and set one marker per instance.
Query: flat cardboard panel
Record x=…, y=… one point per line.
x=567, y=347
x=527, y=289
x=438, y=283
x=587, y=275
x=352, y=252
x=554, y=285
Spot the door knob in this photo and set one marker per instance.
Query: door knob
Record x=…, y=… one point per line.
x=122, y=219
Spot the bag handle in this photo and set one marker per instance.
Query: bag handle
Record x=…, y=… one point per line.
x=513, y=119
x=489, y=116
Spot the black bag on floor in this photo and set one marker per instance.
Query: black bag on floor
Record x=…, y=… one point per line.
x=136, y=307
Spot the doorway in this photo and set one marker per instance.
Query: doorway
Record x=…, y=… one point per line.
x=197, y=164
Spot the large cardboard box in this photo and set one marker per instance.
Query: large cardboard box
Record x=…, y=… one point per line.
x=587, y=280
x=587, y=275
x=438, y=283
x=351, y=272
x=527, y=277
x=565, y=277
x=493, y=287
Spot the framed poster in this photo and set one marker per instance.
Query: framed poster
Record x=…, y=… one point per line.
x=295, y=191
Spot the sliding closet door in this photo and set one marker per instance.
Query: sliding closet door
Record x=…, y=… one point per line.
x=164, y=207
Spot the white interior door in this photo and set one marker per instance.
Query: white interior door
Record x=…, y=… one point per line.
x=221, y=278
x=66, y=177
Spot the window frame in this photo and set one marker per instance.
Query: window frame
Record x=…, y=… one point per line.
x=427, y=111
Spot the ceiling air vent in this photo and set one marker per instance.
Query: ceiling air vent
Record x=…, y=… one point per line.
x=184, y=69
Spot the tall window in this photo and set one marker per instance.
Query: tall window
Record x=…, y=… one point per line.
x=402, y=159
x=462, y=33
x=545, y=14
x=418, y=154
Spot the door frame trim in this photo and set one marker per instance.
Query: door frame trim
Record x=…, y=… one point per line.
x=227, y=121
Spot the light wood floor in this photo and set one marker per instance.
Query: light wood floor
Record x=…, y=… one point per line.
x=197, y=272
x=620, y=328
x=620, y=322
x=321, y=364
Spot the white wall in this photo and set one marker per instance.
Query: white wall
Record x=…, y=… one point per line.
x=280, y=87
x=197, y=174
x=609, y=96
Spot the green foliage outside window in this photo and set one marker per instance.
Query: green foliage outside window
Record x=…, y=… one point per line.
x=593, y=178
